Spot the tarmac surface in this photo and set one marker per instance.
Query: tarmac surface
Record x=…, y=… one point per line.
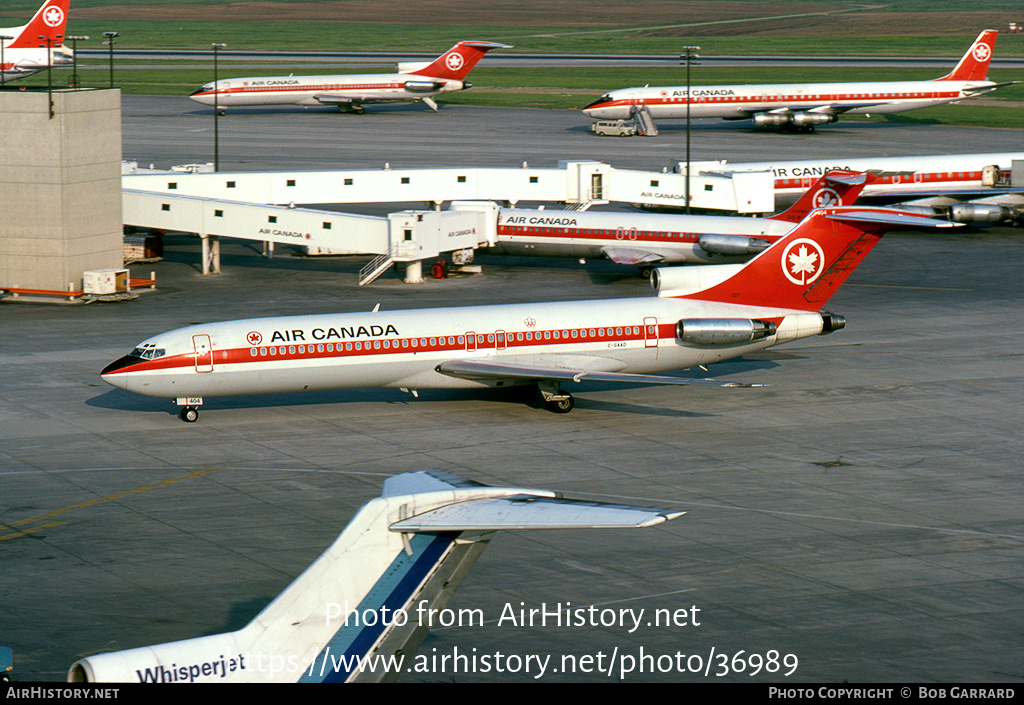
x=859, y=519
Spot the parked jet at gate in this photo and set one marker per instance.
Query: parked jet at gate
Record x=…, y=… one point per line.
x=703, y=315
x=965, y=188
x=360, y=611
x=804, y=105
x=650, y=239
x=27, y=52
x=351, y=92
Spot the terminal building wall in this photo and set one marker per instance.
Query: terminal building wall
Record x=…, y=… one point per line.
x=60, y=185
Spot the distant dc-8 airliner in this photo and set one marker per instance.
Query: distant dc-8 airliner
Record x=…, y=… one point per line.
x=349, y=92
x=804, y=105
x=703, y=314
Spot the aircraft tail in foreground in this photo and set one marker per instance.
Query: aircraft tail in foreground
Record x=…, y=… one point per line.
x=359, y=612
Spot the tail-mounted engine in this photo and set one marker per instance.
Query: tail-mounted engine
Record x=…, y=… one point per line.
x=979, y=213
x=722, y=331
x=721, y=244
x=831, y=322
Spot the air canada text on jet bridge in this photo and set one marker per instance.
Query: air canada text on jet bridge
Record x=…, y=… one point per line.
x=341, y=332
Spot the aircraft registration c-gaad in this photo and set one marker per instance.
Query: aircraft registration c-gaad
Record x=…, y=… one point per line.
x=349, y=92
x=359, y=612
x=27, y=53
x=804, y=105
x=650, y=239
x=702, y=315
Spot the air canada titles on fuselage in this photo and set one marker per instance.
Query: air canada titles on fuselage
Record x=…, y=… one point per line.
x=539, y=220
x=340, y=333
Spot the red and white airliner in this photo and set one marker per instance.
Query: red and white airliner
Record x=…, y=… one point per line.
x=804, y=105
x=27, y=52
x=349, y=92
x=650, y=239
x=702, y=315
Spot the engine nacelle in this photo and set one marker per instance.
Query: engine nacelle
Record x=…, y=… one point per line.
x=718, y=244
x=722, y=331
x=771, y=119
x=423, y=86
x=804, y=119
x=831, y=322
x=679, y=281
x=979, y=213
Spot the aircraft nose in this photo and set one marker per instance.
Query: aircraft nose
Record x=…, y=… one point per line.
x=109, y=373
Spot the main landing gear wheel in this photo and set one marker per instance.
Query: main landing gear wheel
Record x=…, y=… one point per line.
x=189, y=414
x=562, y=405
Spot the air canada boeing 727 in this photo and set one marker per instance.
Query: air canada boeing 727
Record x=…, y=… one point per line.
x=701, y=315
x=804, y=105
x=350, y=92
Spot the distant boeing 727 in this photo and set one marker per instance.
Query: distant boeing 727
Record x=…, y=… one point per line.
x=349, y=92
x=804, y=105
x=702, y=315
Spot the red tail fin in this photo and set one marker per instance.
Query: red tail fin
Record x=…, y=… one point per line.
x=49, y=22
x=458, y=61
x=836, y=188
x=802, y=270
x=974, y=64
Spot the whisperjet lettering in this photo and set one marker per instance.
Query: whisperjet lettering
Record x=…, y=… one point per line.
x=190, y=672
x=299, y=335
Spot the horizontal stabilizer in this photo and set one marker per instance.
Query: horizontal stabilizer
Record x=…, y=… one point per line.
x=890, y=218
x=531, y=512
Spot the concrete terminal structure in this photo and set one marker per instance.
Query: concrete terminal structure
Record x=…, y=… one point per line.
x=60, y=176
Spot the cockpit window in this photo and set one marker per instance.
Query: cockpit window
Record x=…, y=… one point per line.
x=148, y=351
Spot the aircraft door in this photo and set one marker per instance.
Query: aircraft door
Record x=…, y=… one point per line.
x=499, y=340
x=204, y=353
x=470, y=341
x=650, y=332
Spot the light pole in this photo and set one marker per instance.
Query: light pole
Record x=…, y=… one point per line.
x=689, y=56
x=74, y=39
x=111, y=36
x=216, y=107
x=49, y=68
x=3, y=64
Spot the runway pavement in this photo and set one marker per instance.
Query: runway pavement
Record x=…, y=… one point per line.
x=861, y=514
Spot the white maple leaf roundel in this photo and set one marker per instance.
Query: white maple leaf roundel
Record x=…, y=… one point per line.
x=53, y=16
x=454, y=61
x=826, y=197
x=803, y=261
x=981, y=52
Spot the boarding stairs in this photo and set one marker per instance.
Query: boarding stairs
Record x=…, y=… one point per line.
x=644, y=121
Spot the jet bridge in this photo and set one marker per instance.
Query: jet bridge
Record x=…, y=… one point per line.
x=407, y=237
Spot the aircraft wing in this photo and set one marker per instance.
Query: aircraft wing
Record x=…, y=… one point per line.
x=827, y=109
x=631, y=255
x=482, y=370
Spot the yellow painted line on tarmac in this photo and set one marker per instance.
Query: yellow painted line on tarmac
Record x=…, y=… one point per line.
x=92, y=502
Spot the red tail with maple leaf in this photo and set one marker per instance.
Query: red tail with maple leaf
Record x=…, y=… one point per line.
x=802, y=270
